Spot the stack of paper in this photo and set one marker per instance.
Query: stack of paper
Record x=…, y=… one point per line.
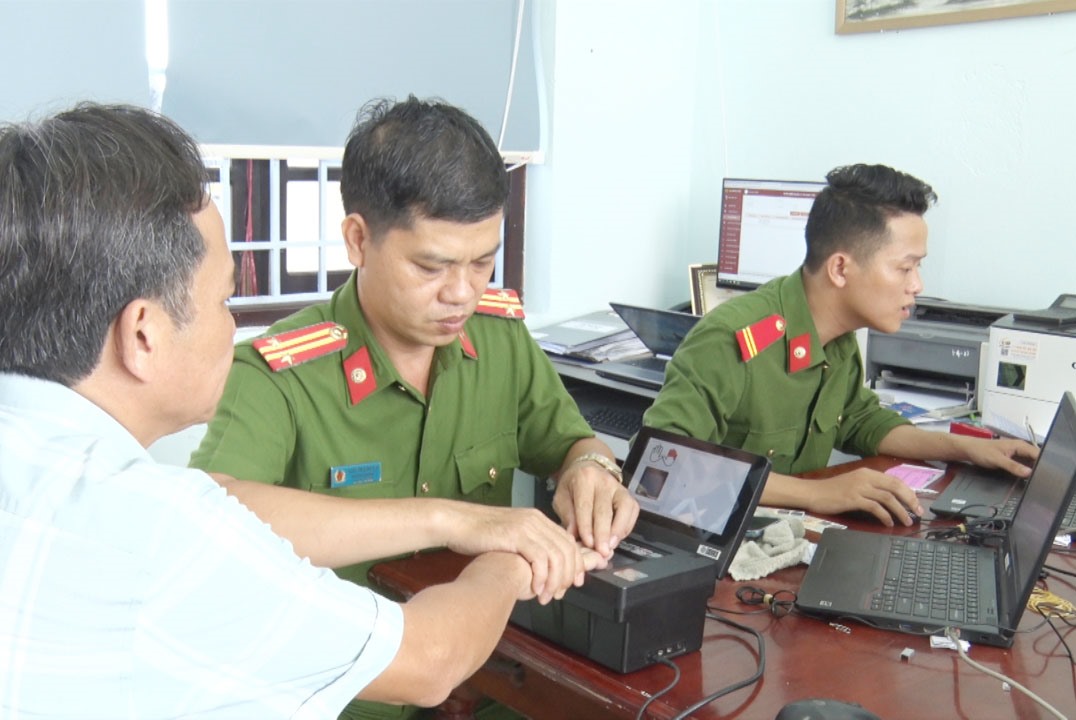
x=595, y=336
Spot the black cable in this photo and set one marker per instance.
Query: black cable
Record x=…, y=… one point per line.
x=779, y=603
x=676, y=678
x=735, y=686
x=981, y=531
x=1072, y=661
x=1058, y=570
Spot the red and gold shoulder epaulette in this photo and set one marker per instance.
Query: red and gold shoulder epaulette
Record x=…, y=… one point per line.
x=295, y=347
x=501, y=302
x=755, y=338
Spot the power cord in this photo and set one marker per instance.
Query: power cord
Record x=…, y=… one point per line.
x=676, y=678
x=686, y=712
x=723, y=691
x=953, y=635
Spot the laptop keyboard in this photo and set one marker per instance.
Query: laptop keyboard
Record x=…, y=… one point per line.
x=935, y=581
x=1068, y=521
x=616, y=421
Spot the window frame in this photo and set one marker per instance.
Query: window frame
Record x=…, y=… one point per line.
x=280, y=292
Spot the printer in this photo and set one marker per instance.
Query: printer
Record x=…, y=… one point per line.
x=941, y=347
x=1031, y=362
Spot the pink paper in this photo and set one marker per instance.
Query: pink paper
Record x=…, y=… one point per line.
x=915, y=476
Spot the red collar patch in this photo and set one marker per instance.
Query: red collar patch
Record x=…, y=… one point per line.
x=359, y=374
x=799, y=353
x=468, y=346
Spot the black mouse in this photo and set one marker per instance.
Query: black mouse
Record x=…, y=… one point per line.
x=824, y=709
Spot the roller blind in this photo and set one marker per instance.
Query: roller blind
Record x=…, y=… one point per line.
x=294, y=72
x=57, y=52
x=273, y=72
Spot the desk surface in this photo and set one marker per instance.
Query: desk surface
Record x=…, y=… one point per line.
x=804, y=658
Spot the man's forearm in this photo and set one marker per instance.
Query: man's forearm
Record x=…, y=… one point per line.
x=908, y=441
x=450, y=630
x=336, y=532
x=785, y=491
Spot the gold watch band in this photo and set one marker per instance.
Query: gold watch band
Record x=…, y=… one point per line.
x=608, y=465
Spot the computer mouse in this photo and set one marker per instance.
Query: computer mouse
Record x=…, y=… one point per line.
x=824, y=709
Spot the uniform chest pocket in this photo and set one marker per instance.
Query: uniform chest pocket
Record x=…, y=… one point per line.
x=488, y=466
x=780, y=446
x=827, y=423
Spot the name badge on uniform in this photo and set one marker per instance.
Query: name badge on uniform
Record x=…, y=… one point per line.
x=348, y=475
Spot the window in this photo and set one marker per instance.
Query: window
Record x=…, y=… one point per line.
x=282, y=215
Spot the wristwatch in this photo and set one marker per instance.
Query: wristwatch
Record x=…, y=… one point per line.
x=608, y=465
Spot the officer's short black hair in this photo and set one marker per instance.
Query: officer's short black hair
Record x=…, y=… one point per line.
x=419, y=158
x=96, y=210
x=852, y=212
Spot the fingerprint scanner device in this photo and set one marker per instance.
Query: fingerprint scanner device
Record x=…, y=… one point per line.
x=696, y=500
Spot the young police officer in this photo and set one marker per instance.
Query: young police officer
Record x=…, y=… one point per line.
x=778, y=370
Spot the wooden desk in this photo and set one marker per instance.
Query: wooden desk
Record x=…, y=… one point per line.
x=804, y=658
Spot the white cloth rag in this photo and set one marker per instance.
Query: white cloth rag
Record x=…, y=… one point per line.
x=781, y=545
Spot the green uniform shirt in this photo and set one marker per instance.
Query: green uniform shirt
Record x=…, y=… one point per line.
x=485, y=415
x=794, y=417
x=492, y=407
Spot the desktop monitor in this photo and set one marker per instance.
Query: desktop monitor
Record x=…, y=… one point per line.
x=762, y=224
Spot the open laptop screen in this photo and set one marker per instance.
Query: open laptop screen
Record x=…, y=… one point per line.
x=1046, y=491
x=660, y=330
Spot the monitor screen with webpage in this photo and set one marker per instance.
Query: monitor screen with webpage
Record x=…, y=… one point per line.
x=762, y=224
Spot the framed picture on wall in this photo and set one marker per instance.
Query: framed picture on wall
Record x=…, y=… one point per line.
x=855, y=16
x=704, y=291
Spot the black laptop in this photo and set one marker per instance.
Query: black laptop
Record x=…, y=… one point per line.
x=976, y=492
x=661, y=331
x=882, y=580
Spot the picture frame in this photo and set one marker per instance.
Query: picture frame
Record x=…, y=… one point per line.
x=705, y=295
x=857, y=16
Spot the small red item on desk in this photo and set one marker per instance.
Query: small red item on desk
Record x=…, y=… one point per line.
x=973, y=430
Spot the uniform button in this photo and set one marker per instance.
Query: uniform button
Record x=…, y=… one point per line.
x=840, y=418
x=770, y=452
x=399, y=386
x=825, y=366
x=425, y=488
x=493, y=473
x=809, y=430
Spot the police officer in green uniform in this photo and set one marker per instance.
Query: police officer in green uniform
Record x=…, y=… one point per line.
x=397, y=389
x=778, y=371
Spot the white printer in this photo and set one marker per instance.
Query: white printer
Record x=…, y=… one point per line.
x=1031, y=362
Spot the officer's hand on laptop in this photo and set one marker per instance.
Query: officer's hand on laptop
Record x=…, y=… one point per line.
x=555, y=559
x=1009, y=454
